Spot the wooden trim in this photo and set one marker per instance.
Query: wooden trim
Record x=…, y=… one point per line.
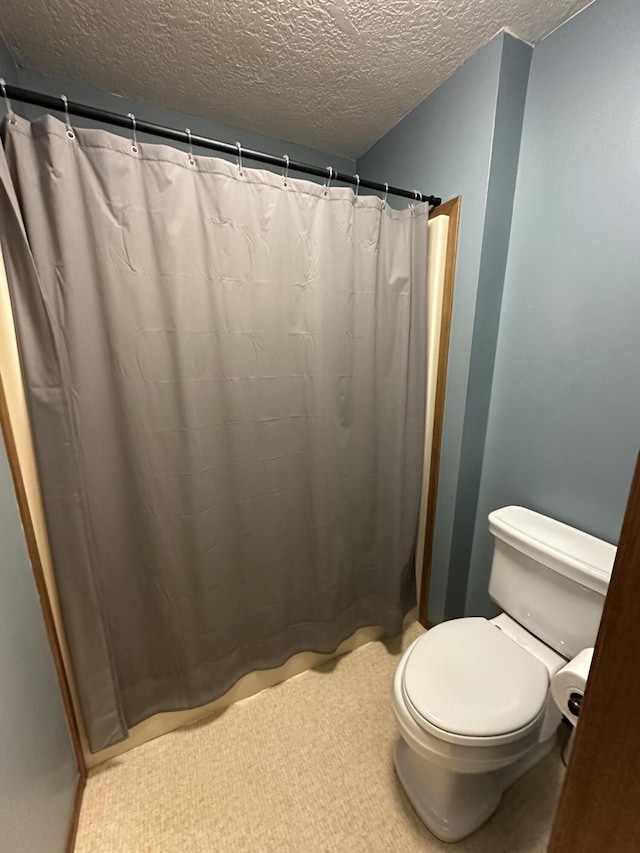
x=452, y=210
x=75, y=815
x=598, y=809
x=36, y=565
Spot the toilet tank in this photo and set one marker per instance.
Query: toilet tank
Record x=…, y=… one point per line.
x=549, y=577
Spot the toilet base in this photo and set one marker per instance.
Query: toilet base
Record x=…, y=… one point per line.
x=454, y=805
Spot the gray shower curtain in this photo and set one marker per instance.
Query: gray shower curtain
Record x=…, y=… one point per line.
x=225, y=376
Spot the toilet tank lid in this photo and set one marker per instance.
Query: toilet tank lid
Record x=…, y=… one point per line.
x=564, y=549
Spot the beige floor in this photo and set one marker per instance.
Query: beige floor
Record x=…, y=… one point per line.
x=303, y=767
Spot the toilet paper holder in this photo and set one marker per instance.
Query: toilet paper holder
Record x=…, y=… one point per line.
x=567, y=689
x=574, y=703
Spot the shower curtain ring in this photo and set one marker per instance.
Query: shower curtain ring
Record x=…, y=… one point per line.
x=192, y=162
x=70, y=132
x=239, y=147
x=10, y=116
x=355, y=196
x=384, y=197
x=285, y=174
x=329, y=179
x=134, y=142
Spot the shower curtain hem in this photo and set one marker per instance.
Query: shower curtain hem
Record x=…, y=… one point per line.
x=391, y=625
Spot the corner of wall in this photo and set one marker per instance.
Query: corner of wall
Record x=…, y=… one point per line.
x=445, y=146
x=507, y=132
x=7, y=63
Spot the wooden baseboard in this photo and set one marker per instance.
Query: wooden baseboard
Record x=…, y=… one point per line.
x=75, y=815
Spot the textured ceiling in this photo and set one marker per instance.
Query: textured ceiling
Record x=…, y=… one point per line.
x=331, y=74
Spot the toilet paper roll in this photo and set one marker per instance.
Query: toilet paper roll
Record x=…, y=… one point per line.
x=570, y=682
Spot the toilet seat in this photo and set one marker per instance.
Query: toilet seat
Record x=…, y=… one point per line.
x=468, y=683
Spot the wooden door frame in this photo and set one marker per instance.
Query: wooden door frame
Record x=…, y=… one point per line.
x=599, y=808
x=45, y=606
x=452, y=210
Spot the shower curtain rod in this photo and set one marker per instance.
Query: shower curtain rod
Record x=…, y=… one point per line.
x=28, y=96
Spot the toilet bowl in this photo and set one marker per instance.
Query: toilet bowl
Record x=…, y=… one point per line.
x=472, y=696
x=455, y=779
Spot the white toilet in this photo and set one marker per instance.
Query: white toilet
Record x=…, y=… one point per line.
x=471, y=696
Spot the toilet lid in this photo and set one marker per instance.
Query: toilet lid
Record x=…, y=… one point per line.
x=469, y=678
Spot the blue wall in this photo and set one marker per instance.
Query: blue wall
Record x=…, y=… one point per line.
x=564, y=424
x=463, y=140
x=7, y=65
x=514, y=73
x=37, y=767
